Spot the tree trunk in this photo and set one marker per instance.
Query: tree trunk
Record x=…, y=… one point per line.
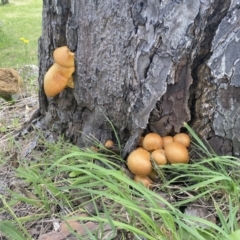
x=146, y=65
x=5, y=1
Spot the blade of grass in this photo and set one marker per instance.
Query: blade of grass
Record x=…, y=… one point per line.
x=15, y=217
x=9, y=229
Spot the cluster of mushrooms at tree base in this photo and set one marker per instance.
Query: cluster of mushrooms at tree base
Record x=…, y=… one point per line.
x=152, y=147
x=161, y=150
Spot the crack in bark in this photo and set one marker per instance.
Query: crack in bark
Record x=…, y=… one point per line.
x=167, y=118
x=203, y=92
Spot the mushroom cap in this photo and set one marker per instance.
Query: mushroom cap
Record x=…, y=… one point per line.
x=152, y=141
x=176, y=153
x=56, y=79
x=166, y=140
x=145, y=180
x=159, y=157
x=182, y=138
x=109, y=143
x=64, y=57
x=139, y=162
x=94, y=149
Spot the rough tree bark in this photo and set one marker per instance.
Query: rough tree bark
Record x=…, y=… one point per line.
x=5, y=1
x=147, y=65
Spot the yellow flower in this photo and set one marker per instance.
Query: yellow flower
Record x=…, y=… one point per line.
x=22, y=38
x=26, y=41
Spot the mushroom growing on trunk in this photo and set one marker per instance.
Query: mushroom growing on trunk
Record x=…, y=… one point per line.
x=59, y=75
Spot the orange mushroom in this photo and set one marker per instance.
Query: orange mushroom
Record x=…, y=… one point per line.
x=64, y=57
x=139, y=162
x=56, y=79
x=182, y=138
x=159, y=157
x=176, y=153
x=152, y=141
x=167, y=140
x=109, y=144
x=146, y=181
x=60, y=73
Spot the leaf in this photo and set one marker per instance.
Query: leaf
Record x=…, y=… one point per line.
x=11, y=231
x=205, y=233
x=235, y=235
x=74, y=174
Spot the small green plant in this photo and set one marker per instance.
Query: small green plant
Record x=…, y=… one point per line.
x=25, y=44
x=9, y=228
x=2, y=128
x=16, y=123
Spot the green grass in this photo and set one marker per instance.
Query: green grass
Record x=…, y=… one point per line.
x=20, y=19
x=126, y=205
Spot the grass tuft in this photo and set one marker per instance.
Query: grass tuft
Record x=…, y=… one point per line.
x=16, y=22
x=124, y=206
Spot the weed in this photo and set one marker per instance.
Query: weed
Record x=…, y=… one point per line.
x=25, y=44
x=20, y=18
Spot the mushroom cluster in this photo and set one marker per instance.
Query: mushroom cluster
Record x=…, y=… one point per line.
x=60, y=73
x=161, y=150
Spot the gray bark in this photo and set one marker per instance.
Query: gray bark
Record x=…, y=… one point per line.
x=147, y=65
